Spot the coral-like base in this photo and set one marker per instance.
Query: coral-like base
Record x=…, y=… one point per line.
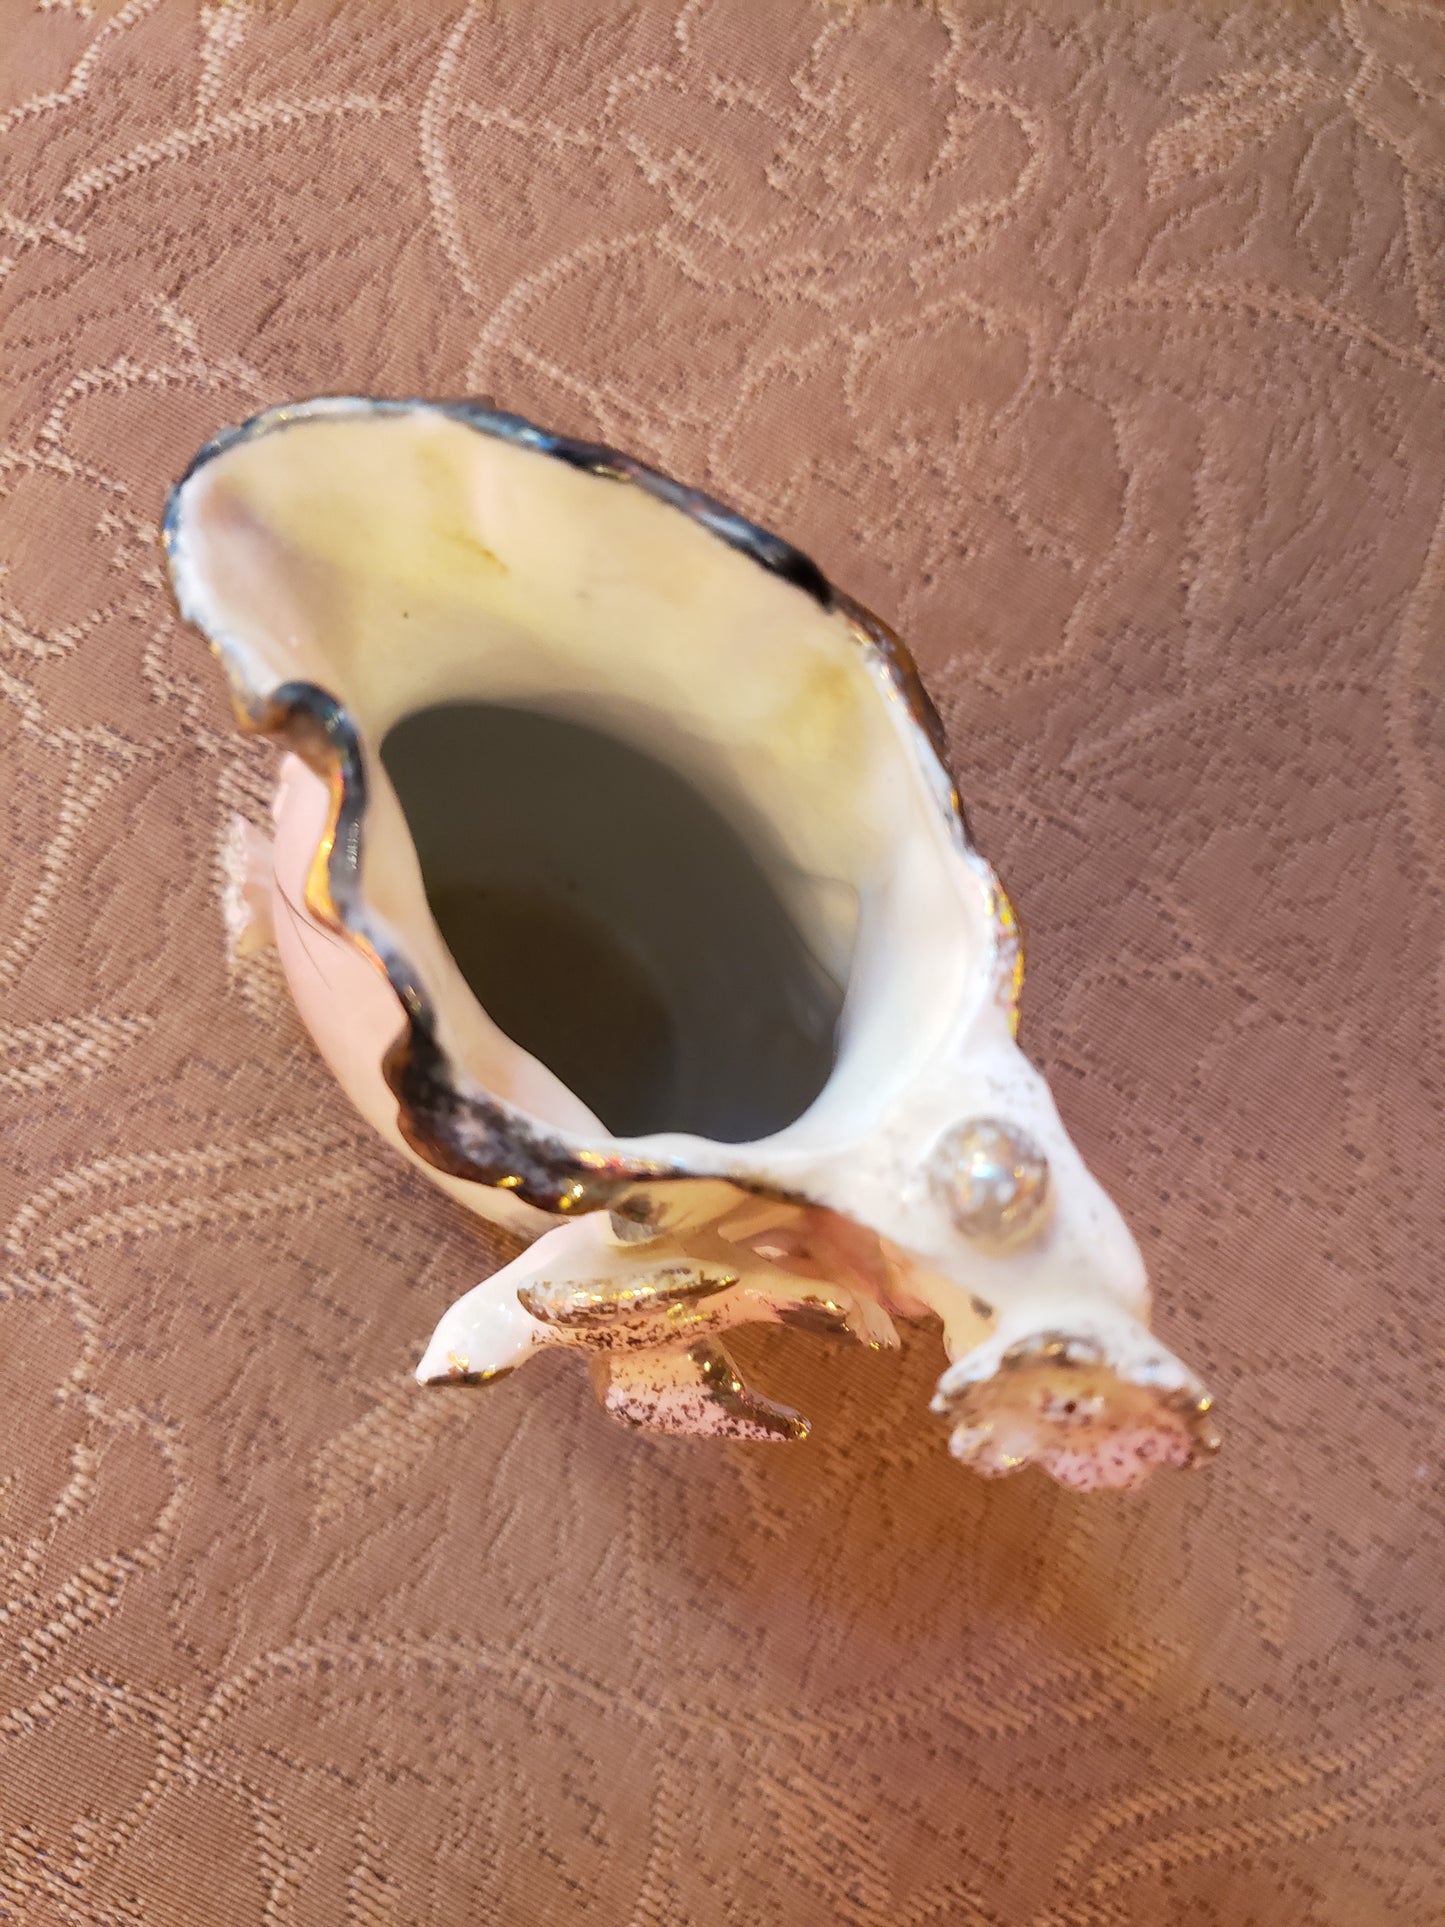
x=648, y=1311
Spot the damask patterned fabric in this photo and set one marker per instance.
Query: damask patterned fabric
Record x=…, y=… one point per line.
x=1101, y=349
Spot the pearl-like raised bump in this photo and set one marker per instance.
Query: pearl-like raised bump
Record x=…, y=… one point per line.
x=993, y=1178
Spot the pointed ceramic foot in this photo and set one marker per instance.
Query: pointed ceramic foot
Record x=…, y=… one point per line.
x=483, y=1334
x=246, y=901
x=1100, y=1406
x=804, y=1272
x=694, y=1393
x=808, y=1305
x=576, y=1286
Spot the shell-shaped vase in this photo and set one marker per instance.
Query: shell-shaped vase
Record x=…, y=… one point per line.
x=620, y=879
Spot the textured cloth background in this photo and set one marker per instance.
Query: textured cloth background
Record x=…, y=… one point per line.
x=1101, y=350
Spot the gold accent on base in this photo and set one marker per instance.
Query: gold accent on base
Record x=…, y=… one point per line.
x=724, y=1388
x=459, y=1372
x=1055, y=1401
x=595, y=1304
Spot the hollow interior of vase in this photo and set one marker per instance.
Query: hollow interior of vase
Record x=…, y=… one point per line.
x=614, y=922
x=666, y=804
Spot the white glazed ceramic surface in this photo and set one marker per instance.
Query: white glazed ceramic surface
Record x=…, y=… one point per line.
x=354, y=563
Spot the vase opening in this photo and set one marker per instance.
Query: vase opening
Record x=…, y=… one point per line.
x=614, y=921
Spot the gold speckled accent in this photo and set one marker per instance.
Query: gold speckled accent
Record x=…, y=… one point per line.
x=459, y=1372
x=723, y=1387
x=594, y=1304
x=1009, y=957
x=823, y=1316
x=1008, y=941
x=1057, y=1394
x=1051, y=1348
x=1194, y=1407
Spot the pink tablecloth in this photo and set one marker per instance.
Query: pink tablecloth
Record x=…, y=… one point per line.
x=1100, y=348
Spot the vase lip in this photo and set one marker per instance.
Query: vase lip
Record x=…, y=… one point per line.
x=594, y=458
x=771, y=552
x=452, y=1123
